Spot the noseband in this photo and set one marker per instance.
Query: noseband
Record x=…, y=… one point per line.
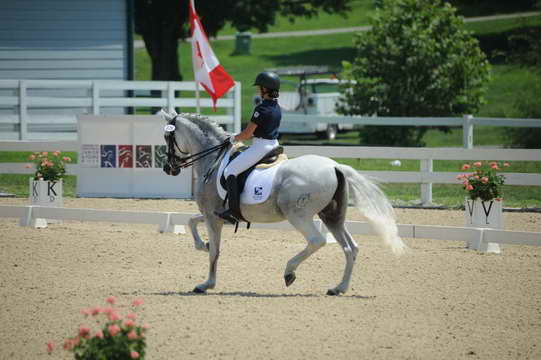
x=176, y=163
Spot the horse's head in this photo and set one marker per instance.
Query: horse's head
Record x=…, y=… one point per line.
x=175, y=150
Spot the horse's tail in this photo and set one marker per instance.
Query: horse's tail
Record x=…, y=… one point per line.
x=373, y=204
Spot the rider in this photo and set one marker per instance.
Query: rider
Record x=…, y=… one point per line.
x=263, y=128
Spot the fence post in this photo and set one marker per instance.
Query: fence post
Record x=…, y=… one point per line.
x=23, y=111
x=95, y=98
x=426, y=188
x=467, y=132
x=170, y=96
x=237, y=117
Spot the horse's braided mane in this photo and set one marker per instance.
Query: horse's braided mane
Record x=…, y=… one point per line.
x=206, y=125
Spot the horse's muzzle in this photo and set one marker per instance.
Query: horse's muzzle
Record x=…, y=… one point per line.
x=170, y=171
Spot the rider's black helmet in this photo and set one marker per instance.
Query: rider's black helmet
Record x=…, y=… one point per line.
x=268, y=80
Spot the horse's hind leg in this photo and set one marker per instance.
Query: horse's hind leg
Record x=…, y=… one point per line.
x=334, y=217
x=315, y=239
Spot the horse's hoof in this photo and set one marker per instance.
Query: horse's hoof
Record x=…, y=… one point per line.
x=333, y=292
x=198, y=290
x=289, y=278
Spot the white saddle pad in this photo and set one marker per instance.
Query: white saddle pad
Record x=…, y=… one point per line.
x=258, y=185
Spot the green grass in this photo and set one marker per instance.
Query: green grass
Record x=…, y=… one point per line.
x=507, y=83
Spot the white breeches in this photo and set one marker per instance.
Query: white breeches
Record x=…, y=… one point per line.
x=258, y=149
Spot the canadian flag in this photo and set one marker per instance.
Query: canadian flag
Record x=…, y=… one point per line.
x=206, y=67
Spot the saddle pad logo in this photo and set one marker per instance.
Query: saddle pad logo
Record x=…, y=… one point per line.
x=258, y=192
x=256, y=114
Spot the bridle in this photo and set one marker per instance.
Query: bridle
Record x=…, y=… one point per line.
x=176, y=163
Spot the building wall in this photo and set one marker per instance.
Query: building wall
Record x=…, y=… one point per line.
x=64, y=39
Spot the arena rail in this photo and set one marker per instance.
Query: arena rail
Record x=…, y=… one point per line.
x=467, y=122
x=425, y=177
x=476, y=238
x=30, y=108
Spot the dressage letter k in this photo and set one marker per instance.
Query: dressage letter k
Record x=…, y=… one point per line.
x=50, y=187
x=35, y=188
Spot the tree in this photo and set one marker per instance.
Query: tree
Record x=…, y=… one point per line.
x=417, y=60
x=162, y=23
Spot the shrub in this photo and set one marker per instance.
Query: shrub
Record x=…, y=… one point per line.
x=417, y=60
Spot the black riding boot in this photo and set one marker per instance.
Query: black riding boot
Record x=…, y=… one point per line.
x=232, y=215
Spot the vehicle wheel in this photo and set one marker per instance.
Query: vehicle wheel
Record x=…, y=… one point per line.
x=331, y=132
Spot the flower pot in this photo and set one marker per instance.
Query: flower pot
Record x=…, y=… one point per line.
x=46, y=193
x=484, y=214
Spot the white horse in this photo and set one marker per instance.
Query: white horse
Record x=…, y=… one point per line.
x=302, y=187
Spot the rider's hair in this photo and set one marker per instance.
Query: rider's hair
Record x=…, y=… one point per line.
x=272, y=93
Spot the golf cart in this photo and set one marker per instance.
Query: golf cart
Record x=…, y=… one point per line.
x=310, y=97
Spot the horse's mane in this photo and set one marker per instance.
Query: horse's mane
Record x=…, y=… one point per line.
x=206, y=126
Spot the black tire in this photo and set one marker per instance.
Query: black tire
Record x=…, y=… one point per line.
x=330, y=133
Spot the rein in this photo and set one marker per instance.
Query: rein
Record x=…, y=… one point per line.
x=177, y=163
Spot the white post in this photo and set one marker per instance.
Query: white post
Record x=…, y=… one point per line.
x=23, y=113
x=197, y=98
x=95, y=98
x=237, y=119
x=170, y=96
x=467, y=132
x=426, y=188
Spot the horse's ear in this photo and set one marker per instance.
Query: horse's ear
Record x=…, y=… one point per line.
x=167, y=116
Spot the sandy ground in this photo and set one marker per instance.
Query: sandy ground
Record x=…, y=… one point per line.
x=440, y=301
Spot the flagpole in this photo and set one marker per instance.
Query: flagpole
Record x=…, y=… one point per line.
x=197, y=98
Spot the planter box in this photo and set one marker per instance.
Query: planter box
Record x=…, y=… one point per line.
x=484, y=214
x=46, y=193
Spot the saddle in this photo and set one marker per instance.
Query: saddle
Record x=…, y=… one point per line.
x=273, y=157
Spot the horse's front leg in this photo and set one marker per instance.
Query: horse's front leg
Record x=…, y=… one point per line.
x=214, y=229
x=198, y=242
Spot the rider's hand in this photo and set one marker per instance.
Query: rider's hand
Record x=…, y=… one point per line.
x=232, y=140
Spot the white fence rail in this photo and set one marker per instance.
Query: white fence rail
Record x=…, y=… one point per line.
x=425, y=177
x=171, y=221
x=467, y=122
x=45, y=109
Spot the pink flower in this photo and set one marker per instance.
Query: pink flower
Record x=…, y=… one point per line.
x=131, y=316
x=32, y=157
x=111, y=300
x=95, y=311
x=146, y=326
x=129, y=323
x=45, y=153
x=66, y=158
x=113, y=316
x=469, y=187
x=50, y=347
x=108, y=310
x=506, y=164
x=84, y=331
x=56, y=153
x=134, y=355
x=68, y=344
x=477, y=164
x=99, y=334
x=484, y=180
x=458, y=177
x=113, y=329
x=494, y=166
x=86, y=312
x=476, y=177
x=138, y=302
x=465, y=167
x=132, y=335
